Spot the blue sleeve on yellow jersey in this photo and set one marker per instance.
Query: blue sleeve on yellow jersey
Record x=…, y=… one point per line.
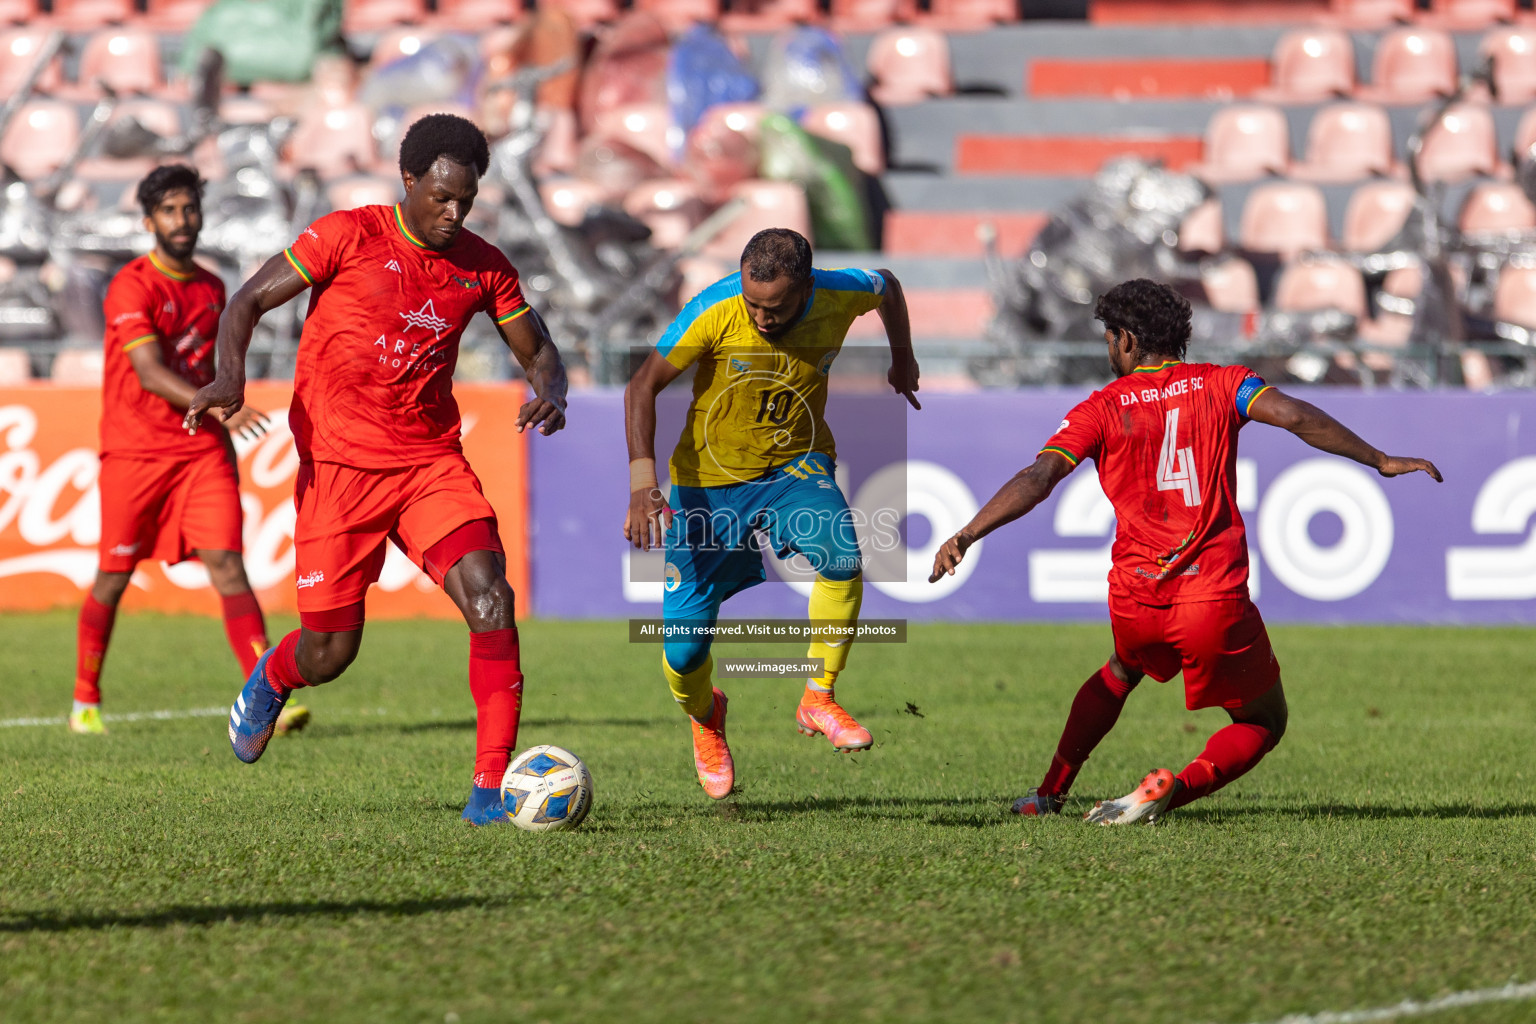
x=850, y=280
x=720, y=291
x=1247, y=391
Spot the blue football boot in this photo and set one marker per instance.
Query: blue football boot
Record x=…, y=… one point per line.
x=486, y=807
x=253, y=717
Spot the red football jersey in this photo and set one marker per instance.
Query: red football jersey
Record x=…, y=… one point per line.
x=1164, y=439
x=373, y=387
x=150, y=304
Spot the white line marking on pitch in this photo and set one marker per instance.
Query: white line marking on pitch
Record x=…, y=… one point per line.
x=147, y=716
x=1510, y=993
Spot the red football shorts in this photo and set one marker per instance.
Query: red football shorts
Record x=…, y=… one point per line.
x=166, y=509
x=1221, y=647
x=346, y=514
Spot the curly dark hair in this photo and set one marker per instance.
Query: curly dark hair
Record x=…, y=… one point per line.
x=457, y=138
x=162, y=181
x=1155, y=314
x=777, y=252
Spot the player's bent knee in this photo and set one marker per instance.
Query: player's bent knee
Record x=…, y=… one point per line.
x=685, y=655
x=490, y=606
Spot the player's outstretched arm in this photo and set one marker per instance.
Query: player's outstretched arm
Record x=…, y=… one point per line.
x=160, y=380
x=648, y=517
x=898, y=330
x=1327, y=434
x=528, y=338
x=271, y=286
x=1028, y=488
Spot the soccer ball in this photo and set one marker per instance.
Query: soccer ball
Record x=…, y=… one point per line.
x=547, y=788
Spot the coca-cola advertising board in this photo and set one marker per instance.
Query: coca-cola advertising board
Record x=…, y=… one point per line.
x=50, y=508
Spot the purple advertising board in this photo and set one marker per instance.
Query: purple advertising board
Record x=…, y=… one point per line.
x=1329, y=541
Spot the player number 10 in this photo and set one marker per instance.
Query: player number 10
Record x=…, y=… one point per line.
x=775, y=406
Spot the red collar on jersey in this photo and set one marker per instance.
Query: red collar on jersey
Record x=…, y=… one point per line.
x=1153, y=369
x=174, y=275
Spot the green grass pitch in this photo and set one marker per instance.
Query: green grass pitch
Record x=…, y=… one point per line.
x=1386, y=849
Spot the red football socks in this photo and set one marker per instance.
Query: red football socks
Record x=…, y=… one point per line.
x=92, y=637
x=283, y=666
x=1095, y=710
x=1228, y=755
x=246, y=629
x=496, y=683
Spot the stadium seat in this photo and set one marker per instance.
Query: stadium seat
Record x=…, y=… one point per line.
x=646, y=126
x=1285, y=218
x=557, y=153
x=85, y=15
x=334, y=142
x=1494, y=206
x=855, y=125
x=158, y=116
x=41, y=138
x=401, y=41
x=1372, y=13
x=360, y=16
x=1244, y=143
x=1201, y=230
x=1231, y=286
x=969, y=15
x=1412, y=65
x=350, y=193
x=586, y=13
x=78, y=367
x=1347, y=142
x=475, y=15
x=1461, y=15
x=1321, y=282
x=670, y=207
x=908, y=65
x=680, y=15
x=127, y=60
x=1310, y=65
x=18, y=12
x=174, y=16
x=1513, y=49
x=768, y=15
x=15, y=367
x=1375, y=214
x=699, y=272
x=568, y=199
x=18, y=49
x=1390, y=327
x=1464, y=144
x=722, y=149
x=770, y=204
x=1514, y=297
x=870, y=15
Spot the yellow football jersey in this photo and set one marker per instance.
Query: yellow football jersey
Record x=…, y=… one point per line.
x=758, y=404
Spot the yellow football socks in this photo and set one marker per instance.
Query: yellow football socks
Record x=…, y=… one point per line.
x=836, y=603
x=693, y=690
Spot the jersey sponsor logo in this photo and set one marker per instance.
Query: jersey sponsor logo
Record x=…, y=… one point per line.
x=395, y=266
x=1064, y=425
x=310, y=579
x=465, y=282
x=1176, y=466
x=739, y=365
x=426, y=317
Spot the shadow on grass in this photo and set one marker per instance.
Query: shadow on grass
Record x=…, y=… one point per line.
x=12, y=922
x=980, y=812
x=338, y=730
x=1359, y=812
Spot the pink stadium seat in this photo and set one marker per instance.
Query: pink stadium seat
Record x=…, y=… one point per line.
x=1285, y=218
x=586, y=13
x=15, y=367
x=1231, y=286
x=1372, y=13
x=680, y=15
x=376, y=15
x=699, y=272
x=125, y=59
x=1325, y=282
x=722, y=149
x=1389, y=327
x=1311, y=64
x=908, y=65
x=770, y=204
x=1201, y=230
x=333, y=141
x=965, y=15
x=41, y=138
x=350, y=193
x=1464, y=144
x=1413, y=65
x=1472, y=14
x=1244, y=143
x=158, y=116
x=84, y=15
x=670, y=207
x=78, y=367
x=401, y=41
x=1513, y=49
x=476, y=15
x=18, y=12
x=1375, y=214
x=1514, y=297
x=1347, y=142
x=870, y=15
x=18, y=50
x=768, y=15
x=855, y=125
x=646, y=126
x=175, y=15
x=557, y=153
x=568, y=199
x=1497, y=206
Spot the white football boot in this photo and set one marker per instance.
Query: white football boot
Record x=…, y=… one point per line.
x=1146, y=802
